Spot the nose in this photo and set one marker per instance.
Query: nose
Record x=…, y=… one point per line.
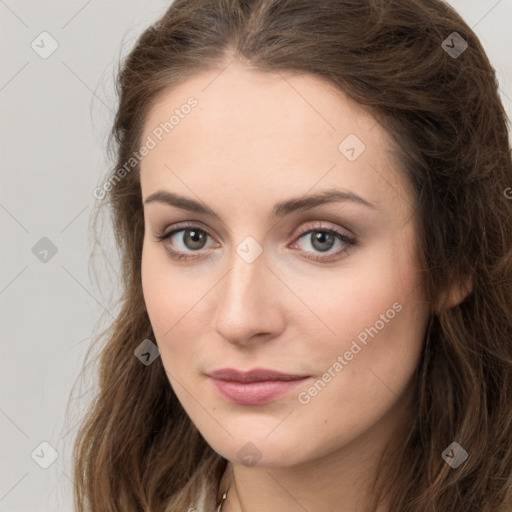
x=249, y=306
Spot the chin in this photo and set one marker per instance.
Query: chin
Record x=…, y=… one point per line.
x=258, y=451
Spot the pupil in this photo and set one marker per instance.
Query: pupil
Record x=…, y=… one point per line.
x=195, y=237
x=321, y=237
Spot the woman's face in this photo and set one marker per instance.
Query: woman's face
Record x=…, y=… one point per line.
x=267, y=283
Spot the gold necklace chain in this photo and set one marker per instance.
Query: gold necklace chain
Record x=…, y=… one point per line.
x=224, y=496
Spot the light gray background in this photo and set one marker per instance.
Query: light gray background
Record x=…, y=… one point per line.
x=55, y=116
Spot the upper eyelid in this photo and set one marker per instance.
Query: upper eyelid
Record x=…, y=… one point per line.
x=182, y=227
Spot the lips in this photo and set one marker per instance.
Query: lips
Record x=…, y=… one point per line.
x=255, y=375
x=255, y=386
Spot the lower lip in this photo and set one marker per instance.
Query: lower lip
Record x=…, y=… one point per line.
x=253, y=393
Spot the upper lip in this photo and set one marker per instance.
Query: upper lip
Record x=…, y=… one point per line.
x=254, y=375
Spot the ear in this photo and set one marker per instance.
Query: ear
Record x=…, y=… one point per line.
x=457, y=293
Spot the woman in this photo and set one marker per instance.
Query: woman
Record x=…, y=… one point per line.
x=310, y=200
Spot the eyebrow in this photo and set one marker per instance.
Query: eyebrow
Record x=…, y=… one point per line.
x=280, y=209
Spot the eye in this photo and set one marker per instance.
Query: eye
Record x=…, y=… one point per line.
x=193, y=238
x=322, y=239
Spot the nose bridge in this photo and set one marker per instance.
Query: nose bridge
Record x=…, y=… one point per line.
x=245, y=283
x=247, y=298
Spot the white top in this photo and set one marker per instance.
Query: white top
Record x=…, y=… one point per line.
x=201, y=505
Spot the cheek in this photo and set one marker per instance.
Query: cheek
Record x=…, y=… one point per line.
x=376, y=295
x=159, y=287
x=175, y=305
x=378, y=317
x=364, y=375
x=158, y=296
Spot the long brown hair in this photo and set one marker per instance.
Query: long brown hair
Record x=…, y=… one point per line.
x=136, y=449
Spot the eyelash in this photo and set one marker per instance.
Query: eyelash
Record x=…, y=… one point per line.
x=177, y=255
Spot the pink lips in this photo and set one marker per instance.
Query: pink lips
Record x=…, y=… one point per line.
x=254, y=387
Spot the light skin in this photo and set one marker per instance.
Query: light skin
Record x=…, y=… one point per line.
x=256, y=139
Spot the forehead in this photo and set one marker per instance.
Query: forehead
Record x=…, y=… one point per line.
x=264, y=131
x=263, y=103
